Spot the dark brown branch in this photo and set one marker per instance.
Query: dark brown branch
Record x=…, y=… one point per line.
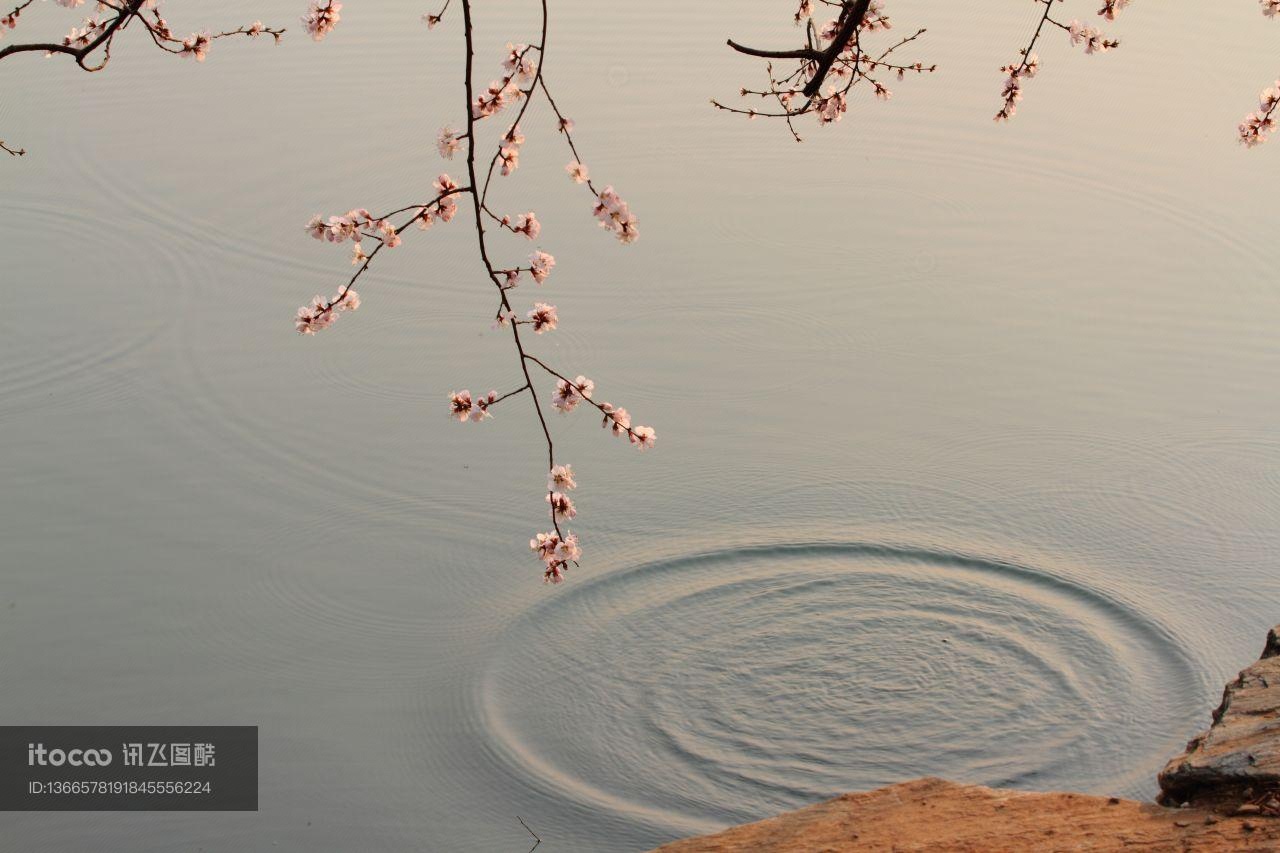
x=80, y=54
x=852, y=15
x=536, y=839
x=478, y=206
x=802, y=53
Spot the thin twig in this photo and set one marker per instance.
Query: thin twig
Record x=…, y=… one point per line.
x=536, y=839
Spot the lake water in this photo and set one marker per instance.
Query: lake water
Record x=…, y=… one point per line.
x=968, y=455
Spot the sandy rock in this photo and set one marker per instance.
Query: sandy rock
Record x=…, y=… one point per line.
x=933, y=816
x=1242, y=746
x=1229, y=776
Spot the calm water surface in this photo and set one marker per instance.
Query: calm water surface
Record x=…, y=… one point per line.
x=969, y=458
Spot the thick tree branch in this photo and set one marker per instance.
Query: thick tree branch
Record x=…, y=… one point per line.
x=80, y=54
x=852, y=15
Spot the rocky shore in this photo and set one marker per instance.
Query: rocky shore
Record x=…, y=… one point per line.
x=1221, y=794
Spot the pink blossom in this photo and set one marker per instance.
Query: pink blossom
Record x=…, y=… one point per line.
x=562, y=506
x=480, y=411
x=460, y=404
x=617, y=420
x=448, y=142
x=431, y=20
x=568, y=395
x=320, y=314
x=321, y=18
x=509, y=152
x=1270, y=8
x=545, y=544
x=875, y=18
x=540, y=264
x=831, y=109
x=448, y=205
x=1012, y=92
x=560, y=479
x=352, y=225
x=528, y=225
x=577, y=172
x=543, y=317
x=1256, y=128
x=643, y=437
x=614, y=215
x=556, y=554
x=518, y=62
x=498, y=95
x=1094, y=40
x=1111, y=8
x=463, y=408
x=195, y=46
x=568, y=549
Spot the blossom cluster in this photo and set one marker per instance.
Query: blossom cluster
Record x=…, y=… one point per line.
x=543, y=318
x=195, y=46
x=1257, y=126
x=556, y=553
x=509, y=152
x=1111, y=8
x=615, y=215
x=518, y=67
x=321, y=18
x=557, y=548
x=353, y=225
x=464, y=408
x=540, y=265
x=321, y=314
x=833, y=60
x=526, y=224
x=569, y=394
x=1012, y=92
x=1093, y=39
x=81, y=37
x=449, y=142
x=98, y=32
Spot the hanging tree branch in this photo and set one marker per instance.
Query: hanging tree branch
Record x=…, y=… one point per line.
x=833, y=61
x=522, y=80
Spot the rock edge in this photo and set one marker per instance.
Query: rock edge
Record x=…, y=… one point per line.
x=1227, y=783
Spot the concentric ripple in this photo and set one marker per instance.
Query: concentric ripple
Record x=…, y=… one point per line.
x=729, y=685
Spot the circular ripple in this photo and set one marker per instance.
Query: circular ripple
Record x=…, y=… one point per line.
x=729, y=685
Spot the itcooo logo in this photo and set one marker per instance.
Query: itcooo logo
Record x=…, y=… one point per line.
x=37, y=755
